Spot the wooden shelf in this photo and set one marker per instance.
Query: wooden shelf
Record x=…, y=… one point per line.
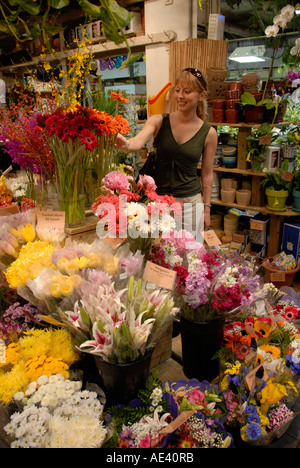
x=101, y=48
x=261, y=209
x=244, y=124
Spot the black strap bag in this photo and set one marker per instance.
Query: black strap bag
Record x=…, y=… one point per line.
x=149, y=167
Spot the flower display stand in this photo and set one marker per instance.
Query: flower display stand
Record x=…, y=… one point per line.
x=163, y=348
x=86, y=232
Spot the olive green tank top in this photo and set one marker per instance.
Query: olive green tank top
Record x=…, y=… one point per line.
x=176, y=164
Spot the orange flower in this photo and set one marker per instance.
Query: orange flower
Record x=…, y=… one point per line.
x=118, y=97
x=122, y=125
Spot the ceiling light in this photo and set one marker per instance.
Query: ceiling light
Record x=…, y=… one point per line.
x=248, y=54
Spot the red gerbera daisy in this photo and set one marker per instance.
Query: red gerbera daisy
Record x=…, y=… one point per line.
x=88, y=140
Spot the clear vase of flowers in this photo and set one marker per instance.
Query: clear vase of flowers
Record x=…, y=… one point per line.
x=76, y=136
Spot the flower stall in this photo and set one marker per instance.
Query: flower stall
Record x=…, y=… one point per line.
x=82, y=320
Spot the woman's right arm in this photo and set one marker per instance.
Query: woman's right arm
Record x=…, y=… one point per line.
x=136, y=143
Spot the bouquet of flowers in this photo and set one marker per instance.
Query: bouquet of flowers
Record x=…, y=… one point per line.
x=134, y=212
x=31, y=150
x=260, y=357
x=56, y=412
x=120, y=323
x=37, y=352
x=210, y=283
x=146, y=421
x=258, y=403
x=75, y=135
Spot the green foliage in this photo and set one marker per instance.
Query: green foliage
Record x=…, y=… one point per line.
x=34, y=18
x=276, y=181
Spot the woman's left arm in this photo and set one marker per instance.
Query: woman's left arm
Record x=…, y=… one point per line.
x=207, y=165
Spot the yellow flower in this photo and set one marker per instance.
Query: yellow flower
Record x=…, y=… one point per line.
x=55, y=290
x=271, y=394
x=224, y=384
x=28, y=232
x=13, y=381
x=264, y=420
x=33, y=258
x=234, y=369
x=110, y=264
x=11, y=354
x=267, y=353
x=66, y=287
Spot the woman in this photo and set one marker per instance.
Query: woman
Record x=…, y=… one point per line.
x=183, y=140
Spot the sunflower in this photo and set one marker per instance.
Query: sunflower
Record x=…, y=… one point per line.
x=263, y=327
x=267, y=353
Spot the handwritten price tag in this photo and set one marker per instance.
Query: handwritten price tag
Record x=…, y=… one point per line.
x=51, y=219
x=257, y=225
x=160, y=276
x=280, y=277
x=211, y=238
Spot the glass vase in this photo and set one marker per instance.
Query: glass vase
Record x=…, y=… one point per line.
x=74, y=208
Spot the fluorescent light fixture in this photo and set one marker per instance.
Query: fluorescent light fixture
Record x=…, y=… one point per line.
x=248, y=54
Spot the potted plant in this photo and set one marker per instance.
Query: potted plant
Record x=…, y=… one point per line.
x=296, y=188
x=257, y=143
x=289, y=140
x=254, y=110
x=142, y=111
x=277, y=188
x=257, y=110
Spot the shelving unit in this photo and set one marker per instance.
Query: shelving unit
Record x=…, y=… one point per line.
x=257, y=196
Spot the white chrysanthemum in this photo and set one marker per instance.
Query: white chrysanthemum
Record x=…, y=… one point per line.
x=19, y=396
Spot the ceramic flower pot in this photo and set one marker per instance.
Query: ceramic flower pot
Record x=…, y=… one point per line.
x=296, y=195
x=276, y=199
x=243, y=197
x=228, y=195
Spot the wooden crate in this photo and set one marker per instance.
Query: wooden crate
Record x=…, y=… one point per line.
x=163, y=348
x=86, y=232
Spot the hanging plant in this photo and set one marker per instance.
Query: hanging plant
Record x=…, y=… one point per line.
x=28, y=19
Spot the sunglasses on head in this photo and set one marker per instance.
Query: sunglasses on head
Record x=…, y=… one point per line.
x=197, y=73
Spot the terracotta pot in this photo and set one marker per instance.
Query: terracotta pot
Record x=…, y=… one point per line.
x=249, y=80
x=227, y=183
x=288, y=275
x=254, y=114
x=228, y=195
x=232, y=115
x=231, y=103
x=218, y=115
x=236, y=86
x=243, y=197
x=232, y=94
x=216, y=74
x=218, y=104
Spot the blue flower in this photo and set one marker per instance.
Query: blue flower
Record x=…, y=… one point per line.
x=253, y=431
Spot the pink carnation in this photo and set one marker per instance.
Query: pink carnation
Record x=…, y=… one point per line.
x=146, y=182
x=115, y=180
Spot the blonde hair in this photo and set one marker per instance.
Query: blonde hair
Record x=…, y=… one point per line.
x=194, y=82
